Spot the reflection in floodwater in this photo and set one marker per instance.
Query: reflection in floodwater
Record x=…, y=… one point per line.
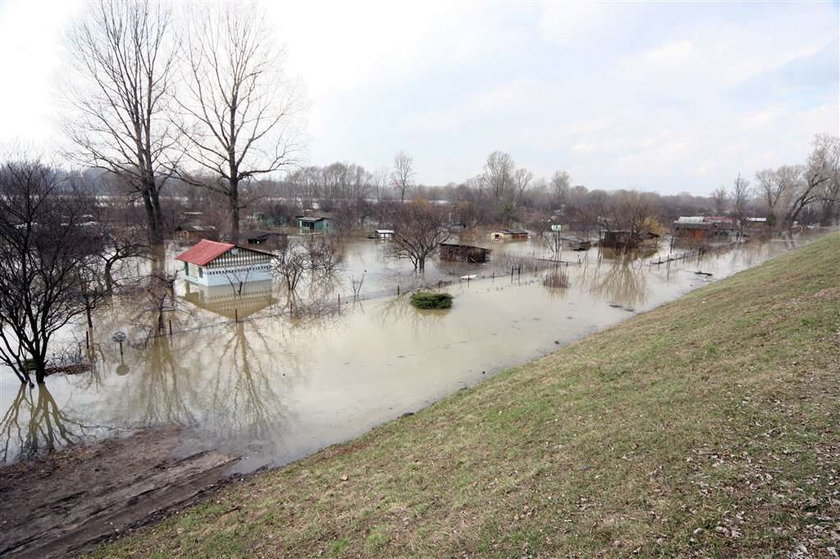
x=237, y=304
x=243, y=394
x=243, y=374
x=34, y=424
x=621, y=282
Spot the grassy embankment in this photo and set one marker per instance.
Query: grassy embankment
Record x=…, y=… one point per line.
x=706, y=427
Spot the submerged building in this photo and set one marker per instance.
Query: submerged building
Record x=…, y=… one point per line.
x=210, y=264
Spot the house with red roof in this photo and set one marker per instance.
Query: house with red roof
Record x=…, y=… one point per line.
x=210, y=264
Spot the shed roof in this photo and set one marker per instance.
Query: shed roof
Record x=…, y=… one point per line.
x=204, y=252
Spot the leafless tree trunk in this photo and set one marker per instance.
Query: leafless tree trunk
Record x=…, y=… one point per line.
x=403, y=173
x=521, y=180
x=41, y=247
x=239, y=111
x=822, y=167
x=498, y=175
x=720, y=197
x=419, y=228
x=740, y=200
x=635, y=213
x=121, y=96
x=560, y=185
x=776, y=186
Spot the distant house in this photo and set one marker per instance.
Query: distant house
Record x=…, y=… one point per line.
x=575, y=243
x=622, y=239
x=210, y=263
x=265, y=239
x=463, y=253
x=704, y=228
x=509, y=235
x=192, y=227
x=193, y=232
x=383, y=234
x=313, y=224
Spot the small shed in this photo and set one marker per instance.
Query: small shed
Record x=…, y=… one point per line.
x=704, y=228
x=265, y=239
x=575, y=243
x=194, y=232
x=210, y=263
x=509, y=235
x=621, y=239
x=383, y=234
x=464, y=253
x=312, y=223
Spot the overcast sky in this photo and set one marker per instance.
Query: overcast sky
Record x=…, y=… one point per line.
x=657, y=96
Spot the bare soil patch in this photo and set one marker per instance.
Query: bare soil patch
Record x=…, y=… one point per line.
x=64, y=503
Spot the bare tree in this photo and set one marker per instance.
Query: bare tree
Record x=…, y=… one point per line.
x=291, y=264
x=559, y=186
x=324, y=255
x=121, y=96
x=521, y=181
x=42, y=244
x=498, y=175
x=741, y=194
x=403, y=173
x=634, y=213
x=822, y=167
x=720, y=198
x=239, y=108
x=777, y=186
x=419, y=228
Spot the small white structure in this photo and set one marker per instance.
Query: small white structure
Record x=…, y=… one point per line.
x=211, y=264
x=384, y=234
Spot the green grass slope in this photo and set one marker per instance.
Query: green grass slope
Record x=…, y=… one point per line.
x=707, y=427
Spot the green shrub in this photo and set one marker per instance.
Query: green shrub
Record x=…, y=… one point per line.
x=430, y=300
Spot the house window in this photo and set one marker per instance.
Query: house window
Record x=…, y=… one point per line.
x=186, y=268
x=200, y=272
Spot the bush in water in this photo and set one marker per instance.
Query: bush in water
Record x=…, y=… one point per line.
x=429, y=300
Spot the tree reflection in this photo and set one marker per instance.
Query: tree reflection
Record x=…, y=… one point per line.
x=34, y=425
x=623, y=282
x=242, y=401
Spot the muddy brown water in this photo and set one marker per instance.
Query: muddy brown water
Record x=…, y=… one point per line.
x=272, y=388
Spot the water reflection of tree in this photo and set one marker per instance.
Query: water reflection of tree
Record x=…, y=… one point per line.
x=621, y=281
x=34, y=425
x=242, y=397
x=159, y=387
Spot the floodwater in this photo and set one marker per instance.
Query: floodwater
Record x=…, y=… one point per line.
x=244, y=375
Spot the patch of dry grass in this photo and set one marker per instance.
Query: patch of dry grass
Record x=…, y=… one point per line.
x=707, y=427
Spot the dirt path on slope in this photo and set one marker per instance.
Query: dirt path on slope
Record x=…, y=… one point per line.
x=64, y=503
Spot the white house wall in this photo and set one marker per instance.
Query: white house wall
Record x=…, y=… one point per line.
x=233, y=275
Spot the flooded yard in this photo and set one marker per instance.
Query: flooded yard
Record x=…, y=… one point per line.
x=243, y=376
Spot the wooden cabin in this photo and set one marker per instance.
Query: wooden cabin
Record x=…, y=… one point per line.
x=464, y=253
x=266, y=240
x=622, y=239
x=704, y=228
x=313, y=224
x=509, y=235
x=210, y=263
